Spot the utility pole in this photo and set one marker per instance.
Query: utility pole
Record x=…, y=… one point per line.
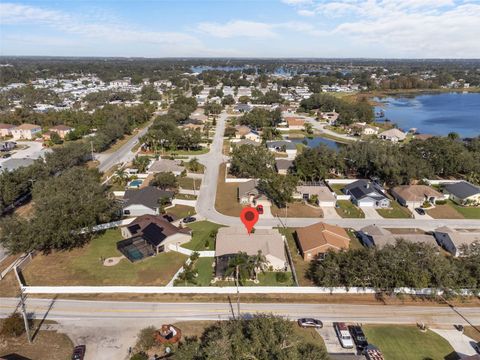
x=24, y=314
x=238, y=292
x=91, y=150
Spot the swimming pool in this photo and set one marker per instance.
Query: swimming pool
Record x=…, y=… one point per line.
x=133, y=253
x=135, y=183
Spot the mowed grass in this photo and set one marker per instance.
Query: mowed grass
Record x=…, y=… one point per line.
x=346, y=209
x=407, y=342
x=468, y=212
x=395, y=212
x=202, y=231
x=301, y=266
x=297, y=210
x=83, y=266
x=226, y=201
x=181, y=211
x=189, y=183
x=446, y=211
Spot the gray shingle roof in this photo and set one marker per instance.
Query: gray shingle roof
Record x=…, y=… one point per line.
x=462, y=189
x=148, y=196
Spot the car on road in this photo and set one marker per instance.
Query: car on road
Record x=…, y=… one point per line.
x=310, y=322
x=189, y=219
x=358, y=337
x=343, y=335
x=420, y=211
x=260, y=209
x=79, y=352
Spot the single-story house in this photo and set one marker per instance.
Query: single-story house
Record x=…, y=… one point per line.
x=306, y=190
x=453, y=240
x=362, y=128
x=61, y=130
x=319, y=238
x=295, y=123
x=375, y=236
x=283, y=146
x=6, y=130
x=463, y=193
x=393, y=135
x=243, y=108
x=144, y=201
x=25, y=131
x=149, y=235
x=247, y=192
x=233, y=240
x=331, y=117
x=283, y=165
x=415, y=195
x=166, y=165
x=241, y=142
x=244, y=132
x=365, y=193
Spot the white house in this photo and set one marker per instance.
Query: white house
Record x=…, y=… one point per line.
x=393, y=135
x=6, y=130
x=144, y=201
x=25, y=131
x=283, y=146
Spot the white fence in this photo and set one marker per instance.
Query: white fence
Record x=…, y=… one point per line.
x=189, y=252
x=441, y=182
x=220, y=290
x=340, y=181
x=192, y=203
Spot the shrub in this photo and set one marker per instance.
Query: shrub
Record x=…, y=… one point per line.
x=281, y=277
x=13, y=325
x=440, y=202
x=139, y=356
x=145, y=339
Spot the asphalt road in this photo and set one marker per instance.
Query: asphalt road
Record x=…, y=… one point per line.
x=208, y=191
x=109, y=313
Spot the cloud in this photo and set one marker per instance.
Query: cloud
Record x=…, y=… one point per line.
x=297, y=2
x=111, y=32
x=304, y=12
x=238, y=28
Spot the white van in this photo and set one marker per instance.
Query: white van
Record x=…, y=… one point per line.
x=343, y=335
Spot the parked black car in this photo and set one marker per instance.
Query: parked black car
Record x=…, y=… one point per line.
x=79, y=352
x=310, y=322
x=420, y=211
x=358, y=336
x=189, y=219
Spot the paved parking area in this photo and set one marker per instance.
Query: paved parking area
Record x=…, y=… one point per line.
x=331, y=341
x=462, y=344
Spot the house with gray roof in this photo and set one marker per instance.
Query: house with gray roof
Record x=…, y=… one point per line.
x=144, y=201
x=454, y=241
x=283, y=165
x=14, y=164
x=166, y=165
x=283, y=146
x=463, y=193
x=365, y=193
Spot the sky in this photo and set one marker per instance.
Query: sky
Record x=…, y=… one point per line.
x=242, y=28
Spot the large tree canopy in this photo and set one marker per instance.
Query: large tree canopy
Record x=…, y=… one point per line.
x=251, y=161
x=264, y=337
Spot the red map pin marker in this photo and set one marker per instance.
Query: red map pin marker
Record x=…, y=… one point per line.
x=249, y=217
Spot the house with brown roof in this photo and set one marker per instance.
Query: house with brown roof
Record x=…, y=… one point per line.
x=244, y=132
x=61, y=130
x=415, y=195
x=295, y=123
x=25, y=131
x=150, y=235
x=6, y=130
x=319, y=238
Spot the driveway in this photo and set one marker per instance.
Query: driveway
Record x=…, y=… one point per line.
x=371, y=213
x=463, y=345
x=329, y=212
x=332, y=343
x=417, y=215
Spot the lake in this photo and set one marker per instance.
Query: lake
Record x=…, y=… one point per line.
x=434, y=113
x=316, y=141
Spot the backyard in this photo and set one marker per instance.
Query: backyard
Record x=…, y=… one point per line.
x=407, y=342
x=347, y=210
x=83, y=266
x=301, y=266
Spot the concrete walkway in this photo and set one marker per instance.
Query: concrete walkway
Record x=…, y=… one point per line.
x=462, y=344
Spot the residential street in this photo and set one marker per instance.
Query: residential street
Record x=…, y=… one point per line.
x=208, y=190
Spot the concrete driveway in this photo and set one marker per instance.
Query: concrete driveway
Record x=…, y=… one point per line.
x=371, y=213
x=417, y=215
x=329, y=212
x=462, y=344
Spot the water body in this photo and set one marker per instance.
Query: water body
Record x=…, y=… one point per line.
x=316, y=141
x=436, y=114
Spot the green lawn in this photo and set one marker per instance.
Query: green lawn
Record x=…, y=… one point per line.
x=268, y=278
x=354, y=242
x=201, y=233
x=186, y=197
x=203, y=150
x=188, y=183
x=84, y=267
x=205, y=272
x=467, y=212
x=337, y=188
x=407, y=342
x=397, y=211
x=301, y=266
x=347, y=210
x=181, y=211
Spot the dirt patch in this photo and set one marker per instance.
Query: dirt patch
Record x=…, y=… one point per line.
x=298, y=209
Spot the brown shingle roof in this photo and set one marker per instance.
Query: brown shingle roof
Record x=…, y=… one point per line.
x=321, y=234
x=415, y=192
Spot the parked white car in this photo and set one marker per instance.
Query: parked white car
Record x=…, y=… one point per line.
x=343, y=335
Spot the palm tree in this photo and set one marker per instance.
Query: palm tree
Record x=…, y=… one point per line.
x=240, y=266
x=194, y=165
x=259, y=263
x=121, y=177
